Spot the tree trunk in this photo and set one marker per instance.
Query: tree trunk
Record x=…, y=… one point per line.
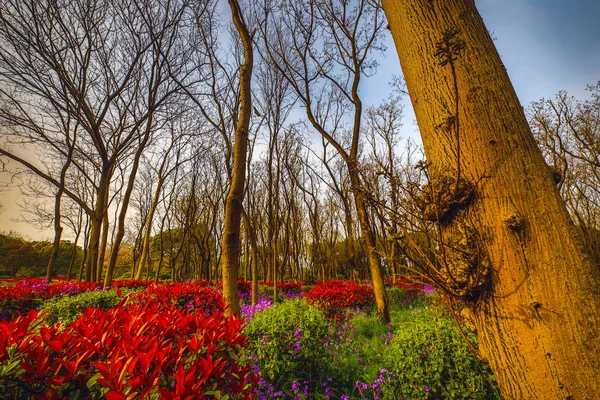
x=145, y=255
x=538, y=317
x=372, y=258
x=230, y=260
x=86, y=237
x=93, y=246
x=96, y=220
x=73, y=254
x=253, y=256
x=58, y=229
x=123, y=212
x=103, y=244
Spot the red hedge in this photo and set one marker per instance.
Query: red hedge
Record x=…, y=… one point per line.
x=147, y=347
x=405, y=283
x=335, y=296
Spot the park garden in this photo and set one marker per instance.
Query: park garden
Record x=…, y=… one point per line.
x=144, y=340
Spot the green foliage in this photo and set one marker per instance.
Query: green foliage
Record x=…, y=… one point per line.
x=265, y=291
x=306, y=288
x=19, y=257
x=67, y=309
x=431, y=360
x=287, y=340
x=409, y=298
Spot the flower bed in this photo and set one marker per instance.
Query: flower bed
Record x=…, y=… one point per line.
x=336, y=296
x=29, y=293
x=148, y=347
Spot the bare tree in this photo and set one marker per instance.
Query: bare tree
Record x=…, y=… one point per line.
x=91, y=62
x=568, y=133
x=323, y=49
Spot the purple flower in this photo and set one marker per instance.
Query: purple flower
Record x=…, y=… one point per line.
x=427, y=289
x=248, y=311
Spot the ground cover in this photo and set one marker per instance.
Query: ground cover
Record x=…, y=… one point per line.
x=171, y=340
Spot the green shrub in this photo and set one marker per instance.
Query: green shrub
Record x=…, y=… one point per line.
x=408, y=298
x=431, y=361
x=306, y=288
x=67, y=309
x=265, y=291
x=287, y=341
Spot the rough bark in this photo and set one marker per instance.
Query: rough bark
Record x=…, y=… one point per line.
x=538, y=318
x=230, y=260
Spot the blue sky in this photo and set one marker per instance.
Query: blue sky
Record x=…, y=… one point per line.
x=546, y=46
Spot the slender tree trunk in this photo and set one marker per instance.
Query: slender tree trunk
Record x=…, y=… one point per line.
x=86, y=235
x=230, y=261
x=144, y=256
x=254, y=275
x=103, y=244
x=56, y=243
x=253, y=255
x=96, y=220
x=58, y=229
x=123, y=212
x=368, y=237
x=538, y=316
x=73, y=254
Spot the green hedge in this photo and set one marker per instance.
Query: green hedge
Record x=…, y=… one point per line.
x=431, y=360
x=67, y=309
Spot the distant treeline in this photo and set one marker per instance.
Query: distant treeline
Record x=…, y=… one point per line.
x=19, y=257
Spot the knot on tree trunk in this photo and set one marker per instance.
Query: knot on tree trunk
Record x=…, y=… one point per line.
x=467, y=267
x=514, y=221
x=443, y=197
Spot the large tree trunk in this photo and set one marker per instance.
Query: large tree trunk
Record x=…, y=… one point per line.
x=230, y=260
x=538, y=317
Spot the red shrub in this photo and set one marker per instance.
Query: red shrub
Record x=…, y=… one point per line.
x=29, y=293
x=405, y=283
x=191, y=295
x=130, y=283
x=147, y=348
x=335, y=296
